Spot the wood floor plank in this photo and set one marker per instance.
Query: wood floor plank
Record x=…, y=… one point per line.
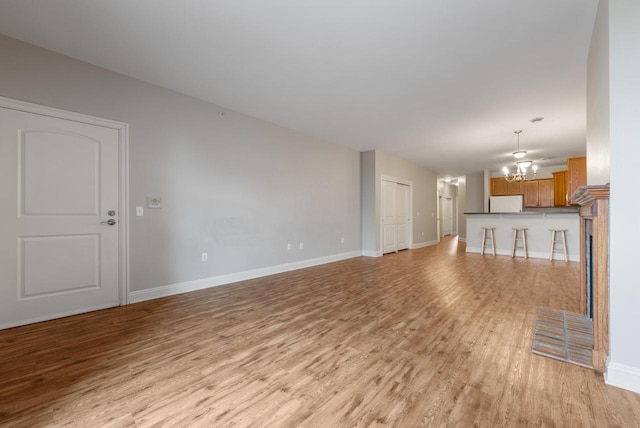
x=427, y=337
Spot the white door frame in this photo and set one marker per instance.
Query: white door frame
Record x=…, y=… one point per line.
x=123, y=178
x=380, y=227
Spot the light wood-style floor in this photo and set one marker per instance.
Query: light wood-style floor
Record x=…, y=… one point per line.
x=430, y=337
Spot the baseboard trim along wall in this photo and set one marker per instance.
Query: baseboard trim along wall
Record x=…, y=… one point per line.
x=423, y=244
x=532, y=254
x=372, y=253
x=58, y=315
x=623, y=376
x=214, y=281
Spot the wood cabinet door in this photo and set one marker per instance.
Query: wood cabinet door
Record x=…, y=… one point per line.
x=498, y=186
x=545, y=192
x=559, y=189
x=531, y=193
x=514, y=188
x=577, y=169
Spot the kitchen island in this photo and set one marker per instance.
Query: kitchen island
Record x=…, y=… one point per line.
x=537, y=221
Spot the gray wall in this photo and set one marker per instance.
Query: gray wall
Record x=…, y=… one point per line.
x=475, y=192
x=376, y=164
x=233, y=186
x=368, y=200
x=462, y=208
x=598, y=162
x=474, y=196
x=624, y=98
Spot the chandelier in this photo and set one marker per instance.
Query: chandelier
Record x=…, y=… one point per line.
x=522, y=171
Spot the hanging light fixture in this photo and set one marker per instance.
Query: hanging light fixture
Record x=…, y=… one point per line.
x=522, y=171
x=519, y=154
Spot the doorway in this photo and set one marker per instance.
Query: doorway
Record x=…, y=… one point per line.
x=447, y=215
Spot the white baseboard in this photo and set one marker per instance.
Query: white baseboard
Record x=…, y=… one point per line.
x=372, y=253
x=532, y=254
x=462, y=239
x=55, y=316
x=423, y=244
x=623, y=376
x=214, y=281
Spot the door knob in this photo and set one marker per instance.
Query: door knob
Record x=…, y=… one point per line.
x=110, y=222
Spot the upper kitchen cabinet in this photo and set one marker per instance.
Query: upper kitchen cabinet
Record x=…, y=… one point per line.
x=577, y=172
x=538, y=193
x=560, y=189
x=514, y=188
x=498, y=187
x=502, y=187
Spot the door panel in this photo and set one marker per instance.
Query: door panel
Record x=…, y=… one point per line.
x=52, y=161
x=60, y=178
x=559, y=189
x=545, y=192
x=531, y=193
x=402, y=216
x=498, y=186
x=389, y=233
x=54, y=264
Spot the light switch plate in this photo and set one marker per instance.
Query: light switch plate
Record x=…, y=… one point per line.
x=154, y=202
x=139, y=211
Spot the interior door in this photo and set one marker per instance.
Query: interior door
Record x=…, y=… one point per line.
x=438, y=198
x=59, y=239
x=447, y=216
x=389, y=229
x=402, y=216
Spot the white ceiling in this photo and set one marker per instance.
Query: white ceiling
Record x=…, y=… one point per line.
x=443, y=83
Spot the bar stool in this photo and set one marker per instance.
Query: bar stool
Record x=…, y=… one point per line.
x=563, y=232
x=524, y=241
x=490, y=236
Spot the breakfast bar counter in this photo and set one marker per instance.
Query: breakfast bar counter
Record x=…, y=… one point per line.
x=537, y=221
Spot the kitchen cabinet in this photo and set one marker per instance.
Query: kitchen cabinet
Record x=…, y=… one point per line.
x=502, y=187
x=577, y=172
x=531, y=193
x=560, y=197
x=514, y=188
x=498, y=187
x=545, y=192
x=538, y=193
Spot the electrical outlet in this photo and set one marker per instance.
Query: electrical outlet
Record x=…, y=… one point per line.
x=301, y=245
x=289, y=247
x=204, y=257
x=342, y=240
x=422, y=234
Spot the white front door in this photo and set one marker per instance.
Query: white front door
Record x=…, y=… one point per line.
x=59, y=181
x=389, y=232
x=402, y=216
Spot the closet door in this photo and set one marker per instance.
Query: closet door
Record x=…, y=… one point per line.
x=389, y=226
x=402, y=216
